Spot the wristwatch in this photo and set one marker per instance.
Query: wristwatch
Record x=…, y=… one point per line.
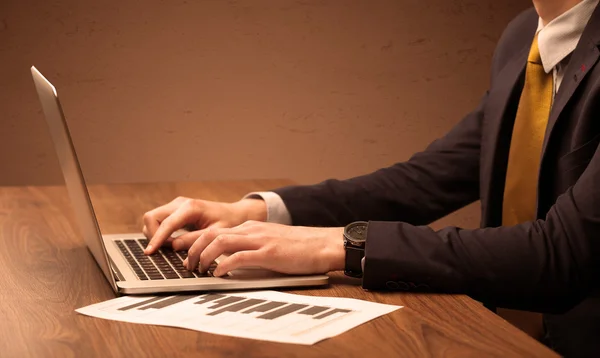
x=355, y=236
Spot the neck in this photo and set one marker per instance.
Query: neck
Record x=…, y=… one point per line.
x=549, y=10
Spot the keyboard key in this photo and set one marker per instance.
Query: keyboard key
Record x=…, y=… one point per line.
x=202, y=274
x=160, y=260
x=151, y=270
x=141, y=275
x=131, y=243
x=177, y=265
x=186, y=274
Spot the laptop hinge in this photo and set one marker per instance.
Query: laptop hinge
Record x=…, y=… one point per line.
x=116, y=273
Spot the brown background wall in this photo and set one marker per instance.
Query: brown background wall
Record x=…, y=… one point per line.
x=190, y=90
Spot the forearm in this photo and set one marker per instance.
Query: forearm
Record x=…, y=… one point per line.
x=545, y=265
x=405, y=191
x=433, y=183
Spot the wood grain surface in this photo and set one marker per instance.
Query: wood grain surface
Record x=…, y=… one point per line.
x=47, y=272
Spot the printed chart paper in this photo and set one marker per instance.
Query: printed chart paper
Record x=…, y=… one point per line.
x=264, y=315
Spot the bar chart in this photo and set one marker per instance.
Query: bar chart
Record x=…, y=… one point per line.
x=264, y=315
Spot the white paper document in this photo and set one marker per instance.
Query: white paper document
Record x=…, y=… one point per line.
x=264, y=315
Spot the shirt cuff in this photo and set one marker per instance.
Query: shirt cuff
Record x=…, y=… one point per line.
x=277, y=212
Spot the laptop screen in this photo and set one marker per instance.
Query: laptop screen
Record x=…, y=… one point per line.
x=74, y=180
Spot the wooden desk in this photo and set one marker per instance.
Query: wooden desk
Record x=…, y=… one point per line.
x=46, y=272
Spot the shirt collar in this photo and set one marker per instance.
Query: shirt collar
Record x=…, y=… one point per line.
x=560, y=36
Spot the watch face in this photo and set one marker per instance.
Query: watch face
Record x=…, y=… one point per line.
x=356, y=232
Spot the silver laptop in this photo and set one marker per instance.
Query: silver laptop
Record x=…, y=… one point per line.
x=121, y=256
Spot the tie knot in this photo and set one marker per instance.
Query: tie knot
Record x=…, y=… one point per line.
x=534, y=52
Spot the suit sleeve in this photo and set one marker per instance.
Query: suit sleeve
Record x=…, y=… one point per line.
x=433, y=183
x=430, y=185
x=546, y=265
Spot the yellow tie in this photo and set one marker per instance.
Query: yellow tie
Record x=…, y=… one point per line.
x=520, y=191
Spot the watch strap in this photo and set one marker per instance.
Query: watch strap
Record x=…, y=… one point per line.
x=353, y=265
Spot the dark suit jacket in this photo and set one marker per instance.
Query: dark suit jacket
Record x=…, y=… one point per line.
x=550, y=265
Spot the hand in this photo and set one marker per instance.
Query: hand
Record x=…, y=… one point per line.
x=162, y=222
x=281, y=248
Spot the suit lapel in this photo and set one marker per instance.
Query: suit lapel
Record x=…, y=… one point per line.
x=582, y=60
x=499, y=97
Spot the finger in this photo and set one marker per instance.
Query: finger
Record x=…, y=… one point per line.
x=146, y=234
x=193, y=254
x=226, y=243
x=240, y=259
x=153, y=218
x=188, y=239
x=185, y=241
x=169, y=225
x=200, y=244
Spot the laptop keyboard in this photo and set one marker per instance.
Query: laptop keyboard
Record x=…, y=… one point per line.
x=163, y=264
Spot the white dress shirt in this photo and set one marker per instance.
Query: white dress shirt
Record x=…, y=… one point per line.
x=559, y=37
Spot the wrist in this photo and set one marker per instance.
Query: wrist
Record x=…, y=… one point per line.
x=252, y=209
x=335, y=254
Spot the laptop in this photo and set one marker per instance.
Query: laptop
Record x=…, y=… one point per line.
x=121, y=257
